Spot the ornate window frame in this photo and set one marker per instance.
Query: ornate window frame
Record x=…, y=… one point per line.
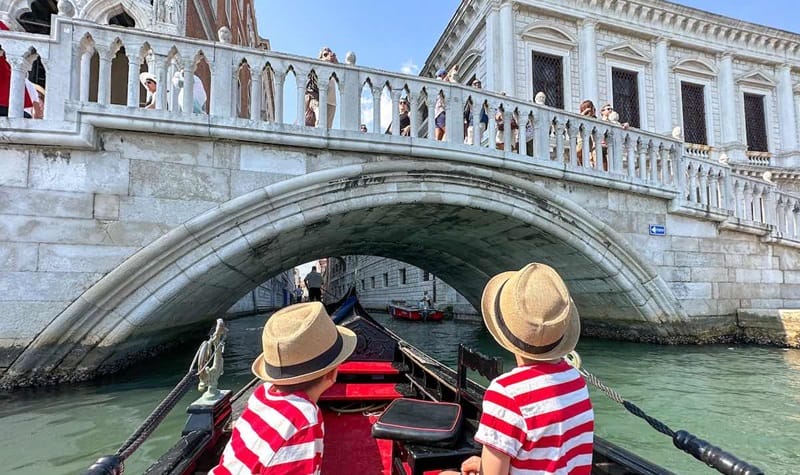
x=697, y=71
x=628, y=57
x=759, y=82
x=550, y=38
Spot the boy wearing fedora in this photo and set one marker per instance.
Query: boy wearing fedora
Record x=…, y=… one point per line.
x=537, y=417
x=280, y=430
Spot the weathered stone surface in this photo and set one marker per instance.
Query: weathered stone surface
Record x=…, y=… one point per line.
x=684, y=226
x=169, y=212
x=709, y=274
x=243, y=182
x=23, y=320
x=691, y=290
x=44, y=286
x=18, y=256
x=90, y=172
x=13, y=168
x=267, y=160
x=161, y=148
x=177, y=181
x=699, y=259
x=62, y=204
x=106, y=207
x=81, y=258
x=771, y=326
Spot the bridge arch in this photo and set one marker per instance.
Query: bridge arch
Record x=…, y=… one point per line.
x=463, y=223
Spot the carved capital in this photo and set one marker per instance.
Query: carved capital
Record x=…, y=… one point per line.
x=19, y=64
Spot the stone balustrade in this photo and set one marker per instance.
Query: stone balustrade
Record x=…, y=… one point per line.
x=551, y=139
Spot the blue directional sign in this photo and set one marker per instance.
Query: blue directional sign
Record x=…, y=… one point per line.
x=658, y=230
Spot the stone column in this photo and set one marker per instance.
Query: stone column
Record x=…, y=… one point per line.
x=279, y=78
x=161, y=74
x=661, y=88
x=188, y=86
x=222, y=81
x=376, y=109
x=786, y=114
x=395, y=128
x=133, y=81
x=16, y=95
x=255, y=92
x=507, y=46
x=728, y=113
x=104, y=75
x=492, y=53
x=86, y=75
x=587, y=51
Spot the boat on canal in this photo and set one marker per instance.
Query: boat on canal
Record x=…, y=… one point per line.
x=393, y=410
x=415, y=313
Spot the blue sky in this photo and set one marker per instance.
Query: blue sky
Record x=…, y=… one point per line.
x=399, y=35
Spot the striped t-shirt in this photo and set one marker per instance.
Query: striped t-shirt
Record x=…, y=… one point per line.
x=276, y=434
x=540, y=415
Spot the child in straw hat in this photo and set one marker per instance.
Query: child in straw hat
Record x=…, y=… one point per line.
x=280, y=430
x=536, y=417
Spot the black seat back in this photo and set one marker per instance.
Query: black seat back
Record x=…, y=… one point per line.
x=469, y=359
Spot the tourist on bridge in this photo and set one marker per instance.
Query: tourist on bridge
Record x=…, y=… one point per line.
x=281, y=429
x=405, y=119
x=199, y=92
x=313, y=283
x=150, y=84
x=312, y=93
x=537, y=415
x=484, y=118
x=587, y=109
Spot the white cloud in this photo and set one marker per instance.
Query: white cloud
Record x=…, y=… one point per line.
x=408, y=67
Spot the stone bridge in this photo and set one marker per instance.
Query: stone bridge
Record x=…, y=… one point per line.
x=124, y=229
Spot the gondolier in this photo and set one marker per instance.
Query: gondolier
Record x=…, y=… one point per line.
x=313, y=283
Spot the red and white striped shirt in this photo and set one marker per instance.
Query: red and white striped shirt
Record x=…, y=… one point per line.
x=540, y=416
x=277, y=434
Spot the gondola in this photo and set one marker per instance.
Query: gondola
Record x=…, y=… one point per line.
x=383, y=369
x=414, y=313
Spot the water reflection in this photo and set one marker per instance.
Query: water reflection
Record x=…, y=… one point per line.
x=745, y=399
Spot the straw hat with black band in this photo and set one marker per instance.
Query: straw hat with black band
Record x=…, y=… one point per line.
x=301, y=343
x=145, y=76
x=530, y=313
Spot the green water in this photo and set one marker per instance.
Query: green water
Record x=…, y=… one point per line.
x=745, y=399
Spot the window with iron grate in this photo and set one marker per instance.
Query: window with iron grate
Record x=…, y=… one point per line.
x=755, y=123
x=694, y=113
x=625, y=91
x=548, y=77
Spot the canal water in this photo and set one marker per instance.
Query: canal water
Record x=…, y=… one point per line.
x=743, y=398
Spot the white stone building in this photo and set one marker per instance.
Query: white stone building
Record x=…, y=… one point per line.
x=379, y=281
x=732, y=86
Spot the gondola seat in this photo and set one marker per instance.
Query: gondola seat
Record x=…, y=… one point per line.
x=426, y=434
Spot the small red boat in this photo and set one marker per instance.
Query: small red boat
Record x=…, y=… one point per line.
x=414, y=313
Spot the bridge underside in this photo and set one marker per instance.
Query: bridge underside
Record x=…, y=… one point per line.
x=462, y=225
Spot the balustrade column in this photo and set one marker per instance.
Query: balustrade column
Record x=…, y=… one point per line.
x=161, y=91
x=587, y=53
x=768, y=210
x=222, y=81
x=376, y=109
x=522, y=122
x=661, y=87
x=413, y=115
x=614, y=152
x=680, y=176
x=396, y=111
x=16, y=94
x=781, y=216
x=477, y=136
x=255, y=92
x=586, y=146
x=104, y=75
x=693, y=195
x=653, y=157
x=630, y=148
x=431, y=104
x=749, y=211
x=703, y=199
x=642, y=146
x=713, y=188
x=188, y=86
x=301, y=105
x=795, y=220
x=86, y=75
x=454, y=120
x=133, y=81
x=280, y=78
x=572, y=131
x=322, y=118
x=508, y=138
x=788, y=120
x=541, y=134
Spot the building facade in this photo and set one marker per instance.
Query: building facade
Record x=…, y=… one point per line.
x=732, y=87
x=380, y=281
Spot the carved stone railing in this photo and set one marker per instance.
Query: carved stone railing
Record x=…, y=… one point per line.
x=694, y=150
x=561, y=144
x=760, y=159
